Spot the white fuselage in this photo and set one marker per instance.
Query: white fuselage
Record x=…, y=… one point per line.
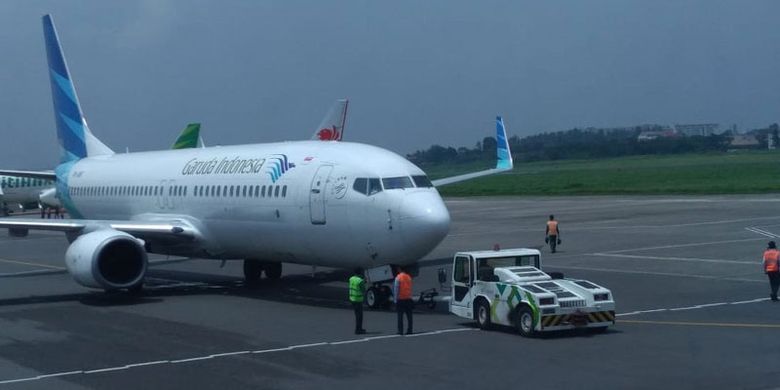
x=22, y=190
x=291, y=201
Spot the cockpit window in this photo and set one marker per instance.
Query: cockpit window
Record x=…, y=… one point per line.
x=361, y=185
x=422, y=181
x=392, y=183
x=374, y=186
x=367, y=186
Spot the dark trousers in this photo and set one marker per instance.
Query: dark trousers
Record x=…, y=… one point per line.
x=774, y=283
x=404, y=306
x=358, y=308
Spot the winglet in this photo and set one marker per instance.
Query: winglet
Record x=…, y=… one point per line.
x=332, y=126
x=504, y=160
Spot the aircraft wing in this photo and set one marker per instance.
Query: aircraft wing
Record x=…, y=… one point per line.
x=142, y=229
x=503, y=163
x=47, y=175
x=332, y=126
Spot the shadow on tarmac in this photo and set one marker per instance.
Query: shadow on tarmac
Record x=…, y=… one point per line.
x=300, y=289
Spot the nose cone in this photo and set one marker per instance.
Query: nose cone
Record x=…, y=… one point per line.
x=424, y=221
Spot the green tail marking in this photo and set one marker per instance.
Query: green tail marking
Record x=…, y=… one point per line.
x=188, y=138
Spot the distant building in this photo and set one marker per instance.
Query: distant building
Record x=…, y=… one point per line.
x=743, y=141
x=703, y=129
x=650, y=135
x=627, y=129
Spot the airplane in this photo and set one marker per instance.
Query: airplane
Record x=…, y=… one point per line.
x=39, y=190
x=334, y=204
x=23, y=191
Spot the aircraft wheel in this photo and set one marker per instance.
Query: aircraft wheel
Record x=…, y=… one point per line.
x=273, y=270
x=253, y=270
x=373, y=297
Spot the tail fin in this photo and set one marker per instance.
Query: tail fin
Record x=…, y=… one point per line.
x=189, y=137
x=504, y=157
x=76, y=141
x=332, y=126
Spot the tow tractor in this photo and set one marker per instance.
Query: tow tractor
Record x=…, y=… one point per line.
x=508, y=287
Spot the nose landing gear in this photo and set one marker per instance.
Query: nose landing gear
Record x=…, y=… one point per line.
x=378, y=296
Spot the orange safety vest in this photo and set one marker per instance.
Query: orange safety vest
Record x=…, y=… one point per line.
x=772, y=260
x=404, y=286
x=552, y=228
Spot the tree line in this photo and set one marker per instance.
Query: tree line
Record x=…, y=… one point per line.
x=584, y=144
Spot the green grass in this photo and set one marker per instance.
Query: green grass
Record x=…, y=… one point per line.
x=722, y=173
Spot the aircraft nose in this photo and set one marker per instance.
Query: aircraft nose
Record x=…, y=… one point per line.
x=424, y=221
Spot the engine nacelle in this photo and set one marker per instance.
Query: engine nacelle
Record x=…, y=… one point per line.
x=48, y=198
x=107, y=259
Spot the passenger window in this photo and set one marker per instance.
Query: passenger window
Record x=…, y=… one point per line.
x=361, y=185
x=374, y=186
x=284, y=192
x=276, y=192
x=257, y=191
x=263, y=192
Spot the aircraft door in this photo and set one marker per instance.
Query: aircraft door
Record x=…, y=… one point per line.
x=462, y=282
x=317, y=195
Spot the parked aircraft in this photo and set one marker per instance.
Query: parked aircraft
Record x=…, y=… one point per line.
x=336, y=204
x=39, y=191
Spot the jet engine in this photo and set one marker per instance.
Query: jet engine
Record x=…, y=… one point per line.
x=48, y=198
x=107, y=259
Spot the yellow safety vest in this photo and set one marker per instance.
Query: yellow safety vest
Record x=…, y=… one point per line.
x=356, y=287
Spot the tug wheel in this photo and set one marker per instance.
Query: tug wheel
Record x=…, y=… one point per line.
x=524, y=321
x=482, y=314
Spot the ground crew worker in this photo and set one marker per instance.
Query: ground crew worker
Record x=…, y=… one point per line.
x=772, y=267
x=402, y=295
x=552, y=233
x=357, y=290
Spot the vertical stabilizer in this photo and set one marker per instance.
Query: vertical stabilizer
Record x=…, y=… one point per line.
x=189, y=137
x=332, y=126
x=76, y=141
x=504, y=157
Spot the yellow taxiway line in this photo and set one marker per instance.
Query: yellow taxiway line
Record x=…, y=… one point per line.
x=32, y=264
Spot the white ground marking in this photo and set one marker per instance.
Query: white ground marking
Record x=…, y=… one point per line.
x=692, y=259
x=762, y=232
x=590, y=226
x=694, y=307
x=219, y=355
x=647, y=248
x=620, y=271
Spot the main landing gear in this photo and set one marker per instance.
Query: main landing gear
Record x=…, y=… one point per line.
x=253, y=270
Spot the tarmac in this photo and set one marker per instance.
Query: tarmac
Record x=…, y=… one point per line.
x=692, y=311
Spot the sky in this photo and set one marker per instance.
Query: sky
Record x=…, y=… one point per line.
x=417, y=72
